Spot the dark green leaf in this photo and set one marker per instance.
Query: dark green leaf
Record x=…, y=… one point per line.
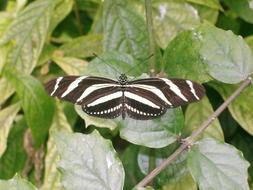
x=241, y=107
x=244, y=142
x=84, y=46
x=228, y=21
x=243, y=8
x=182, y=58
x=228, y=57
x=217, y=165
x=14, y=158
x=196, y=114
x=155, y=133
x=132, y=170
x=37, y=105
x=143, y=188
x=90, y=161
x=16, y=183
x=124, y=29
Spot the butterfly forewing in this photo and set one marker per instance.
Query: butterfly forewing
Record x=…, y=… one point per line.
x=173, y=92
x=76, y=88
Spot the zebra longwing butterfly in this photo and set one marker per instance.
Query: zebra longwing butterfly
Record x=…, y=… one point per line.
x=140, y=99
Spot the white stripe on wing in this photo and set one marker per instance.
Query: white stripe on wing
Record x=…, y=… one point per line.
x=106, y=98
x=140, y=99
x=175, y=89
x=192, y=88
x=58, y=80
x=94, y=87
x=152, y=89
x=73, y=85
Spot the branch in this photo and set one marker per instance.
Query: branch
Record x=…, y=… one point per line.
x=148, y=7
x=188, y=141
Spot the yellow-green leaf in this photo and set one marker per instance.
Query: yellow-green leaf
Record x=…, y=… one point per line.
x=7, y=116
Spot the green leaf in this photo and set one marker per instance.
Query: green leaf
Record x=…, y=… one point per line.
x=37, y=105
x=98, y=122
x=249, y=41
x=52, y=176
x=182, y=58
x=5, y=19
x=217, y=165
x=97, y=24
x=208, y=3
x=228, y=57
x=14, y=158
x=46, y=54
x=143, y=188
x=7, y=116
x=3, y=55
x=176, y=176
x=155, y=133
x=16, y=183
x=241, y=107
x=84, y=46
x=229, y=21
x=132, y=170
x=207, y=14
x=196, y=114
x=88, y=161
x=6, y=90
x=171, y=18
x=70, y=65
x=244, y=143
x=124, y=29
x=27, y=34
x=62, y=9
x=243, y=8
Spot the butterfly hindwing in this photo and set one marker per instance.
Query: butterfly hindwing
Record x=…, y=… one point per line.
x=143, y=104
x=105, y=103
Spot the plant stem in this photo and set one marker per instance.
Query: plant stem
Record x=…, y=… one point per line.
x=148, y=7
x=189, y=140
x=78, y=18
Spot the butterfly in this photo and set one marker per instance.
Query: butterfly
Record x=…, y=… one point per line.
x=140, y=99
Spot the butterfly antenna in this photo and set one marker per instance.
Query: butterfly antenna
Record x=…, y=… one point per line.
x=104, y=61
x=140, y=62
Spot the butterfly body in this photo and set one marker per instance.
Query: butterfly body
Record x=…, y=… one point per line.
x=139, y=99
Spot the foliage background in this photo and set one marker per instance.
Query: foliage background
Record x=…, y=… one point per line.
x=44, y=39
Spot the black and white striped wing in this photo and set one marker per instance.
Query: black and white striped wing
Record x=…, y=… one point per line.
x=143, y=104
x=150, y=98
x=98, y=96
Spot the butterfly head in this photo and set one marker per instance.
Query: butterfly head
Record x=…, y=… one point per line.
x=123, y=79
